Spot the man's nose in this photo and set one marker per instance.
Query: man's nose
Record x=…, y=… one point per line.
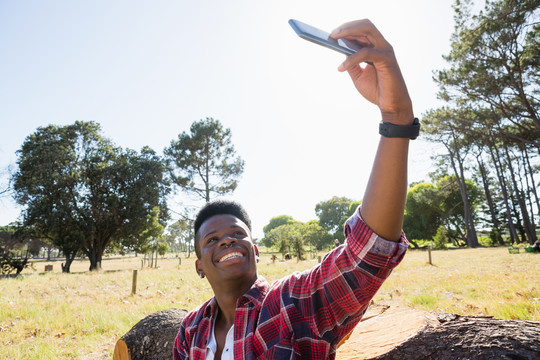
x=227, y=241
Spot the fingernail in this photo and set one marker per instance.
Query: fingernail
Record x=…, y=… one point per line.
x=341, y=67
x=335, y=31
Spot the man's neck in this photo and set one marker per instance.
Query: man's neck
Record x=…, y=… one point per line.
x=227, y=296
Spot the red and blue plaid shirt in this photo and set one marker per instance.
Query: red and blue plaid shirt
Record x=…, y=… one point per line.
x=304, y=315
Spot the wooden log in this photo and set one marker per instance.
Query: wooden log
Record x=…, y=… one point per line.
x=152, y=338
x=403, y=333
x=385, y=332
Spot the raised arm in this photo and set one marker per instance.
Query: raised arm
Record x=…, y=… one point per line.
x=381, y=83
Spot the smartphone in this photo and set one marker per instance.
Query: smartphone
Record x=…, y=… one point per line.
x=310, y=33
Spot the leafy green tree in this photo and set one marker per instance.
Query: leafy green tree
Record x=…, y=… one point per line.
x=182, y=231
x=423, y=212
x=332, y=215
x=84, y=194
x=162, y=248
x=204, y=162
x=431, y=206
x=453, y=213
x=288, y=239
x=151, y=235
x=491, y=118
x=440, y=239
x=494, y=61
x=316, y=236
x=12, y=259
x=275, y=222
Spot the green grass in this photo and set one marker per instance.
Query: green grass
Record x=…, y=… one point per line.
x=81, y=315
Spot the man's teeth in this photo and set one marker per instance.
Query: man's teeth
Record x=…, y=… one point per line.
x=231, y=256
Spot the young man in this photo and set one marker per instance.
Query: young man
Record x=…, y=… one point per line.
x=305, y=315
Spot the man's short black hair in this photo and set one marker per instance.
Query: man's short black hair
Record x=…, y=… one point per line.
x=219, y=207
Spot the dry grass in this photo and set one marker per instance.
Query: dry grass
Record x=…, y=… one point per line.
x=81, y=315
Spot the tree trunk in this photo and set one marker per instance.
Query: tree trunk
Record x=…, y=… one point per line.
x=529, y=230
x=403, y=333
x=492, y=211
x=152, y=338
x=385, y=332
x=95, y=255
x=499, y=170
x=533, y=186
x=69, y=259
x=472, y=238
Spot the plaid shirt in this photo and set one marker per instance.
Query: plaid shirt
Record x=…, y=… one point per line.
x=304, y=315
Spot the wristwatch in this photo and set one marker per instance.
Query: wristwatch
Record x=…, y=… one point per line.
x=387, y=129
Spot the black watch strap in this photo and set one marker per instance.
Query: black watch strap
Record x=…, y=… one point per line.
x=400, y=131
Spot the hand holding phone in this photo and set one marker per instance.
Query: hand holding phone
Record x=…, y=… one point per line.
x=310, y=33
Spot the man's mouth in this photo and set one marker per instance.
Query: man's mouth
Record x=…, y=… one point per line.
x=232, y=255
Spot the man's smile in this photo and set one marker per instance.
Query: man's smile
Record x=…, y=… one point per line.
x=230, y=256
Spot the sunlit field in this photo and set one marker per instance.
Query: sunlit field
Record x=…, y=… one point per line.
x=81, y=315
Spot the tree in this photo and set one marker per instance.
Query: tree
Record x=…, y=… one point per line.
x=491, y=118
x=204, y=162
x=11, y=254
x=453, y=214
x=182, y=231
x=423, y=212
x=332, y=215
x=494, y=62
x=151, y=235
x=316, y=236
x=288, y=239
x=275, y=222
x=84, y=194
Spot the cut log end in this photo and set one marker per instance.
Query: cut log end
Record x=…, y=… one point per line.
x=121, y=351
x=152, y=338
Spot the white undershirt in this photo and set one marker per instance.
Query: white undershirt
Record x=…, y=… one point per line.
x=227, y=353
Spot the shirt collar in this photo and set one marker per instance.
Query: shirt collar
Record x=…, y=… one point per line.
x=255, y=295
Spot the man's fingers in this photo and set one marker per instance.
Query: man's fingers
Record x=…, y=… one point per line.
x=360, y=28
x=364, y=55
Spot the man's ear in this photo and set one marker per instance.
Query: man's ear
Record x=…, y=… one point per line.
x=198, y=267
x=257, y=256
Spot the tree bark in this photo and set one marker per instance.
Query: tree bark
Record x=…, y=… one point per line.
x=404, y=333
x=152, y=338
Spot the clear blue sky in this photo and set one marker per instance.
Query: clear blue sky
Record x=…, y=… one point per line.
x=145, y=70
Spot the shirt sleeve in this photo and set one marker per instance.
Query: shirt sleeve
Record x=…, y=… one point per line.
x=335, y=294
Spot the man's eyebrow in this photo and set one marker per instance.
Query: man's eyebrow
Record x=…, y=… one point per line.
x=234, y=226
x=210, y=233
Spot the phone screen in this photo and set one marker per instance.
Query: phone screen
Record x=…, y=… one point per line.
x=310, y=33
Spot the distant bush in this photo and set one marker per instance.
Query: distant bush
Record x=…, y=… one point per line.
x=441, y=238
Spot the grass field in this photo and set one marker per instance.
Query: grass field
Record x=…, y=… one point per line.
x=81, y=315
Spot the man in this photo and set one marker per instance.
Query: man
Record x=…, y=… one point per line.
x=305, y=315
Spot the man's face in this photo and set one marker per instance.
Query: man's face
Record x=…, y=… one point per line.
x=227, y=251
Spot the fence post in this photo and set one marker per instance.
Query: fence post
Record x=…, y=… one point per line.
x=429, y=254
x=134, y=283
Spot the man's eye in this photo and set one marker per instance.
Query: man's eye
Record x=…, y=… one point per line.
x=212, y=239
x=239, y=233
